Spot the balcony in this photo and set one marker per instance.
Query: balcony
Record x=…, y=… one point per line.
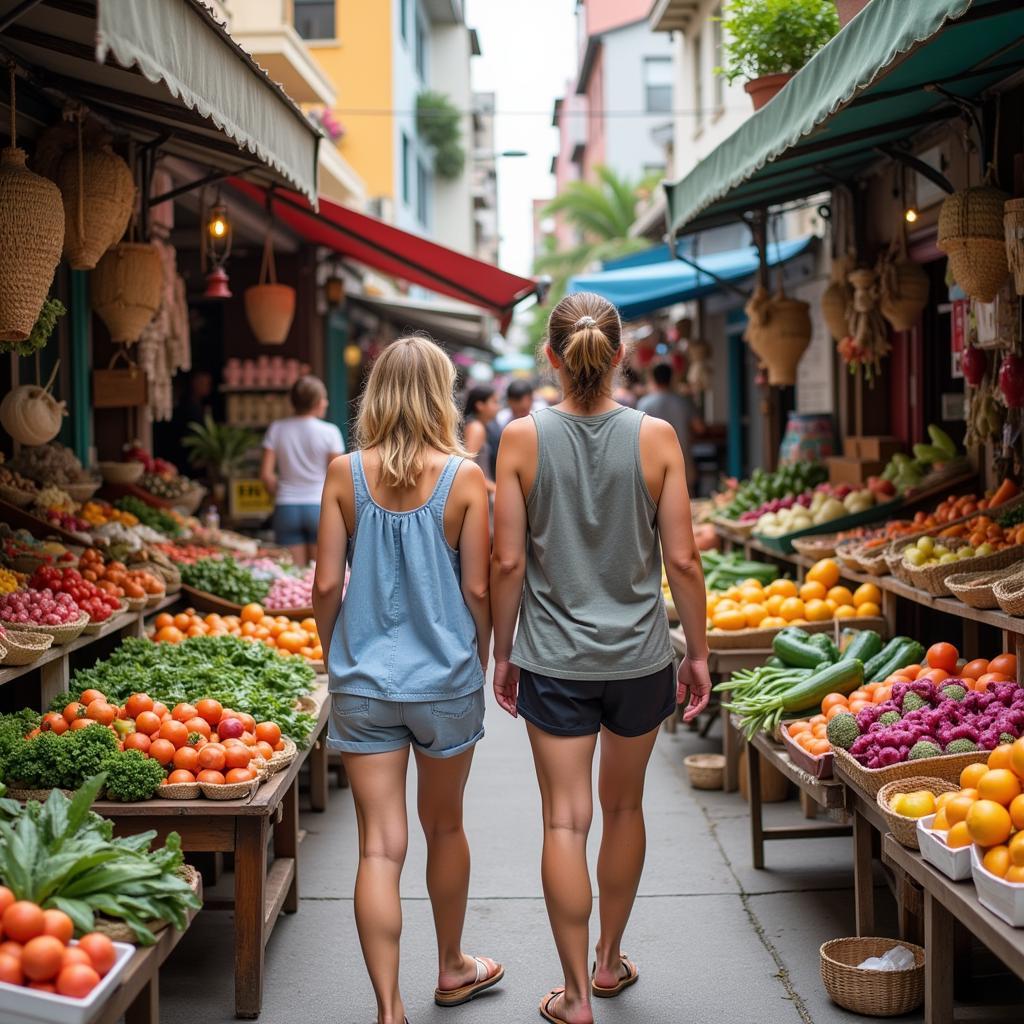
x=266, y=31
x=338, y=180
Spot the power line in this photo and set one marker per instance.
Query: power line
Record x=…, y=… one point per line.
x=389, y=112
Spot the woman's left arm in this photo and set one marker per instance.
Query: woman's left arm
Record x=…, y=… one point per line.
x=332, y=550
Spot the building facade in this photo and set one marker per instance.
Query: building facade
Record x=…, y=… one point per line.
x=484, y=179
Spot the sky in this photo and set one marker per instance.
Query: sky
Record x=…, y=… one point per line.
x=528, y=52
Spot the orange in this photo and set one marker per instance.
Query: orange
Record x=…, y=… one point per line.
x=817, y=610
x=163, y=620
x=973, y=772
x=997, y=860
x=831, y=700
x=869, y=608
x=252, y=612
x=784, y=588
x=958, y=836
x=1017, y=758
x=1016, y=849
x=988, y=823
x=1000, y=785
x=1001, y=757
x=819, y=747
x=792, y=608
x=936, y=675
x=882, y=694
x=773, y=622
x=169, y=635
x=309, y=625
x=841, y=595
x=1015, y=875
x=748, y=595
x=1017, y=812
x=845, y=611
x=941, y=822
x=831, y=606
x=825, y=571
x=773, y=604
x=754, y=613
x=731, y=618
x=867, y=592
x=812, y=590
x=183, y=620
x=957, y=808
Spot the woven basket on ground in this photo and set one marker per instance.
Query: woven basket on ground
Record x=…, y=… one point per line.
x=121, y=472
x=976, y=589
x=871, y=993
x=1009, y=593
x=22, y=648
x=60, y=634
x=972, y=235
x=871, y=780
x=118, y=931
x=706, y=771
x=17, y=497
x=125, y=289
x=904, y=829
x=98, y=192
x=933, y=578
x=31, y=236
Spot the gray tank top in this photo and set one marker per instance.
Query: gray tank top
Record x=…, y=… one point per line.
x=592, y=605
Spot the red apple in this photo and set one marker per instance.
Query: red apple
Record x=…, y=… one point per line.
x=230, y=728
x=1011, y=381
x=975, y=363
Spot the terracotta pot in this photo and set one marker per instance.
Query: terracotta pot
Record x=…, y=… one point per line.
x=269, y=308
x=849, y=9
x=762, y=89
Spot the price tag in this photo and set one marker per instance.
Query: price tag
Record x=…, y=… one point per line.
x=249, y=499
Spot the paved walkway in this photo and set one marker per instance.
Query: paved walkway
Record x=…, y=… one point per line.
x=716, y=941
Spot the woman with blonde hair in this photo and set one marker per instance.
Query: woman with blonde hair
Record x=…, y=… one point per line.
x=590, y=496
x=406, y=653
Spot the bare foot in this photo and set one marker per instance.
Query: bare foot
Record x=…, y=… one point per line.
x=448, y=980
x=573, y=1013
x=609, y=975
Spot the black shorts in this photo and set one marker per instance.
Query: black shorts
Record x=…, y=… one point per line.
x=579, y=707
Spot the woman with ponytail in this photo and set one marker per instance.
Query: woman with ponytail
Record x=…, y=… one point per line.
x=591, y=496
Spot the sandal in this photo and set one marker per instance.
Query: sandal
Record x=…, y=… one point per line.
x=631, y=978
x=545, y=1006
x=463, y=994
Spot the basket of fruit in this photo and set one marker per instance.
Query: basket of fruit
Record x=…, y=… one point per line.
x=1009, y=592
x=870, y=990
x=81, y=491
x=43, y=611
x=905, y=801
x=926, y=563
x=976, y=589
x=121, y=472
x=16, y=489
x=22, y=647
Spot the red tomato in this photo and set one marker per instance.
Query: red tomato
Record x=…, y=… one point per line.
x=942, y=655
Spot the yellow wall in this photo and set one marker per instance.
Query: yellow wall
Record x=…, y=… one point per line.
x=360, y=66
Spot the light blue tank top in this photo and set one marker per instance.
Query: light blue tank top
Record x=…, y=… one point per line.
x=404, y=632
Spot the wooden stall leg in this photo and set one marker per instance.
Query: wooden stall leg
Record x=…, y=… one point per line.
x=145, y=1009
x=286, y=843
x=250, y=892
x=318, y=774
x=863, y=878
x=756, y=807
x=808, y=806
x=938, y=964
x=730, y=750
x=54, y=679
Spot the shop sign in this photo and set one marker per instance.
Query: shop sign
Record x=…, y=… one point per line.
x=249, y=499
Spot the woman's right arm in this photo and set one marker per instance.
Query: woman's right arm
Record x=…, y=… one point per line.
x=267, y=475
x=332, y=550
x=474, y=440
x=475, y=554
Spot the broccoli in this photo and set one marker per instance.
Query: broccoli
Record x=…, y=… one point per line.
x=889, y=718
x=1006, y=737
x=954, y=691
x=842, y=730
x=912, y=701
x=924, y=748
x=961, y=746
x=131, y=775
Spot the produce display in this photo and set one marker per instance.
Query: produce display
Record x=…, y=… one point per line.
x=751, y=498
x=51, y=463
x=12, y=478
x=9, y=581
x=167, y=486
x=724, y=571
x=16, y=544
x=225, y=578
x=906, y=472
x=291, y=591
x=38, y=608
x=187, y=554
x=157, y=467
x=918, y=804
x=751, y=605
x=118, y=579
x=814, y=508
x=165, y=522
x=89, y=597
x=99, y=513
x=927, y=550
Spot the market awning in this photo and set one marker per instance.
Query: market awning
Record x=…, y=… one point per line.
x=167, y=71
x=396, y=252
x=889, y=73
x=451, y=323
x=637, y=290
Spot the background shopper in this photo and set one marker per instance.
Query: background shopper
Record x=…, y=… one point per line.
x=665, y=403
x=480, y=409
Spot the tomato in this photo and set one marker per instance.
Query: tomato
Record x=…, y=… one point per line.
x=936, y=675
x=183, y=712
x=270, y=732
x=942, y=655
x=137, y=741
x=147, y=722
x=186, y=758
x=54, y=722
x=988, y=678
x=23, y=921
x=209, y=775
x=180, y=776
x=974, y=669
x=74, y=955
x=42, y=957
x=77, y=981
x=73, y=710
x=100, y=949
x=162, y=751
x=237, y=756
x=58, y=924
x=199, y=725
x=101, y=711
x=10, y=970
x=6, y=899
x=213, y=756
x=244, y=775
x=88, y=696
x=175, y=732
x=1005, y=664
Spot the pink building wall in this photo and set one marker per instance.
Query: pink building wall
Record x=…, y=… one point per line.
x=603, y=15
x=595, y=151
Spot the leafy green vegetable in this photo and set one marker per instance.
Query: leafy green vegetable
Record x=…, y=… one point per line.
x=60, y=854
x=63, y=762
x=132, y=776
x=149, y=516
x=225, y=578
x=13, y=729
x=244, y=676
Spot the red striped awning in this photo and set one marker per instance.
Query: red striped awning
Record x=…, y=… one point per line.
x=395, y=252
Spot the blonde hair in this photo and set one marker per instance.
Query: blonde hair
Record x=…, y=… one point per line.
x=409, y=408
x=585, y=332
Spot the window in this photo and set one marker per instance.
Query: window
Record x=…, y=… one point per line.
x=698, y=82
x=718, y=87
x=422, y=193
x=658, y=84
x=421, y=49
x=406, y=183
x=314, y=19
x=403, y=20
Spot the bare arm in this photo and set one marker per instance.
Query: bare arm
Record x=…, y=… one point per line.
x=474, y=554
x=268, y=476
x=332, y=549
x=508, y=560
x=475, y=439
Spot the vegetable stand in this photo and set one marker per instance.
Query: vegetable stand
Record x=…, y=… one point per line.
x=244, y=828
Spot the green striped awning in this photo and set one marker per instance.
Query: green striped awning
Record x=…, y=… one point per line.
x=872, y=86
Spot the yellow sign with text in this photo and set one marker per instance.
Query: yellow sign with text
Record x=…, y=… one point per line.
x=249, y=499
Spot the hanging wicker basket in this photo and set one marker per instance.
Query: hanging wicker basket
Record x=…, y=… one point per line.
x=30, y=414
x=1013, y=231
x=31, y=236
x=784, y=338
x=756, y=309
x=834, y=303
x=972, y=235
x=98, y=196
x=903, y=288
x=125, y=289
x=269, y=306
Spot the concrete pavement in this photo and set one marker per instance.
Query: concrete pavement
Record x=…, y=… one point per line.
x=715, y=940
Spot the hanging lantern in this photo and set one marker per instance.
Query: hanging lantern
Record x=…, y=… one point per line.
x=353, y=356
x=217, y=233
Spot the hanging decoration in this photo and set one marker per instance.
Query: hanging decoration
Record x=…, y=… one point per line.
x=867, y=343
x=902, y=286
x=756, y=309
x=215, y=249
x=1013, y=231
x=784, y=337
x=269, y=306
x=972, y=235
x=31, y=237
x=30, y=414
x=835, y=301
x=699, y=372
x=125, y=289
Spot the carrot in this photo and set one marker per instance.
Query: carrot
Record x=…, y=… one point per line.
x=1006, y=490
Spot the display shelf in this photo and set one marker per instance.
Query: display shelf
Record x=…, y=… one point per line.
x=255, y=389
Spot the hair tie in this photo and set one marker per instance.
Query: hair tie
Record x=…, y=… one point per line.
x=584, y=321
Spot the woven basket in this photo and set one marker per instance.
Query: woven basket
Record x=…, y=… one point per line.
x=972, y=213
x=31, y=237
x=816, y=547
x=98, y=192
x=22, y=647
x=975, y=589
x=903, y=290
x=871, y=780
x=121, y=472
x=871, y=993
x=118, y=931
x=904, y=829
x=933, y=578
x=92, y=628
x=179, y=791
x=39, y=795
x=232, y=791
x=978, y=265
x=783, y=340
x=834, y=302
x=706, y=771
x=283, y=758
x=83, y=491
x=60, y=634
x=136, y=604
x=1009, y=594
x=190, y=501
x=125, y=289
x=16, y=497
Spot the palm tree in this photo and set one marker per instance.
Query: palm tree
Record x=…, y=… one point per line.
x=601, y=212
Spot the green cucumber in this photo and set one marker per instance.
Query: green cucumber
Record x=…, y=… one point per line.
x=863, y=646
x=900, y=654
x=842, y=677
x=794, y=647
x=824, y=644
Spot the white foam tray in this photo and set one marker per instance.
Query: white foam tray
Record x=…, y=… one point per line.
x=1004, y=899
x=21, y=1005
x=955, y=864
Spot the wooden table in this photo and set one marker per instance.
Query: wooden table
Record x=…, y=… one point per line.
x=947, y=902
x=137, y=997
x=244, y=828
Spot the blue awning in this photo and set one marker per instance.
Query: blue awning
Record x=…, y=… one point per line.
x=643, y=289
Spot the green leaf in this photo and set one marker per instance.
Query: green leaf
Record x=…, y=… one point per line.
x=78, y=910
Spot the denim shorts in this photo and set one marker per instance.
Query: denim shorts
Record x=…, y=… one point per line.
x=437, y=728
x=296, y=524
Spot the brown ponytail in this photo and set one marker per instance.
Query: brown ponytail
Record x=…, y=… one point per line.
x=584, y=331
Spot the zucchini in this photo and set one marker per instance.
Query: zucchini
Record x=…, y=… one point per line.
x=824, y=644
x=863, y=646
x=794, y=647
x=895, y=655
x=775, y=662
x=842, y=677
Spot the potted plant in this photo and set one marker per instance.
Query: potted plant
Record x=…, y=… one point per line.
x=768, y=41
x=220, y=449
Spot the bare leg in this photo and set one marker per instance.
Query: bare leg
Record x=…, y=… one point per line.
x=620, y=786
x=564, y=768
x=378, y=788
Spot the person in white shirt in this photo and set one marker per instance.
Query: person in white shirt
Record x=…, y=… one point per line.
x=296, y=454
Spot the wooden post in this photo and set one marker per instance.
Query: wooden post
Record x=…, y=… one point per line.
x=938, y=964
x=250, y=933
x=756, y=807
x=863, y=878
